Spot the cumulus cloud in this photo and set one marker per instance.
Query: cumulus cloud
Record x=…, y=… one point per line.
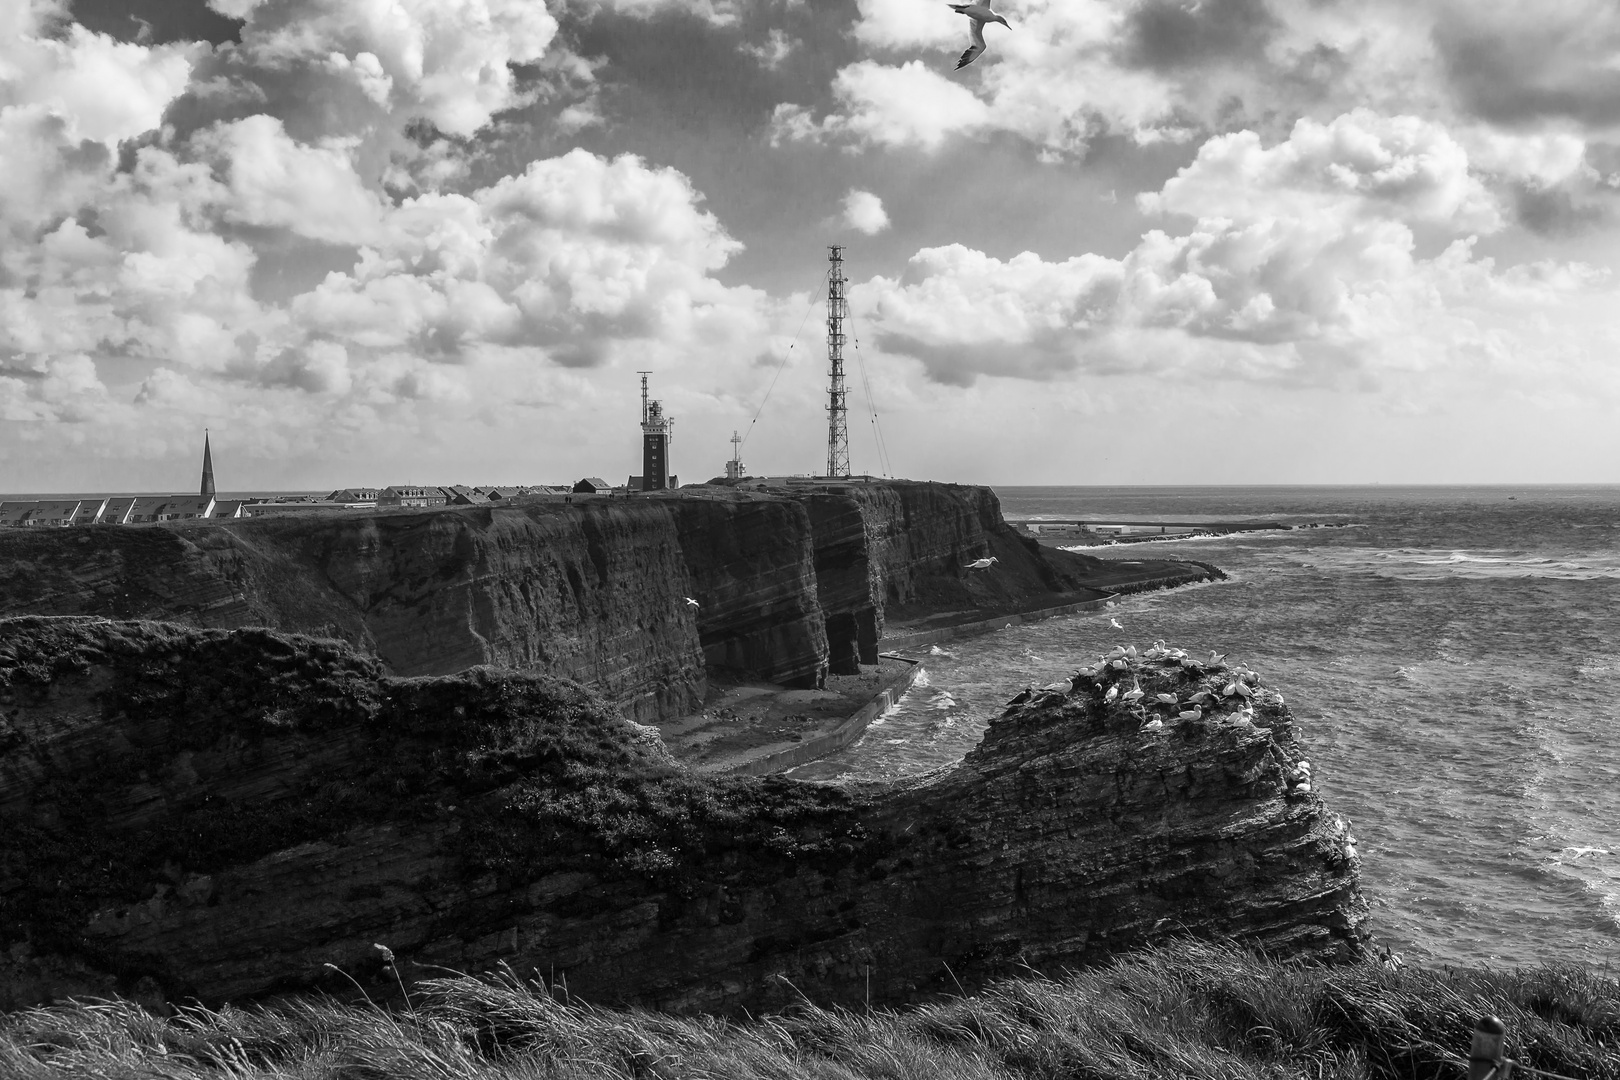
x=277, y=182
x=446, y=60
x=1401, y=168
x=910, y=105
x=1165, y=70
x=131, y=279
x=100, y=89
x=574, y=256
x=1303, y=268
x=715, y=12
x=863, y=212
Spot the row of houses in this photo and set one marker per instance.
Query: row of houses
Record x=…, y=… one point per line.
x=141, y=509
x=117, y=510
x=454, y=495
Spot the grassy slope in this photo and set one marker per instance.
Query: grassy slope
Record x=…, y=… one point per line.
x=1187, y=1010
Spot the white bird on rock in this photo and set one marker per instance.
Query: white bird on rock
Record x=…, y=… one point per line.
x=691, y=601
x=980, y=564
x=978, y=15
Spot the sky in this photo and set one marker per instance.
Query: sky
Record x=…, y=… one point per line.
x=369, y=242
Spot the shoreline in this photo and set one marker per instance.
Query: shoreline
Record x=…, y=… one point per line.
x=759, y=742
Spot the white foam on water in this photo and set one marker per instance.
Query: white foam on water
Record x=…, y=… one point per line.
x=1418, y=564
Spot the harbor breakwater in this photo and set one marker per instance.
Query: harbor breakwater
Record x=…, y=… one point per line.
x=638, y=598
x=227, y=814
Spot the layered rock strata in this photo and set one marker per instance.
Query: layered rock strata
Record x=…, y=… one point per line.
x=221, y=814
x=752, y=563
x=885, y=545
x=593, y=592
x=597, y=590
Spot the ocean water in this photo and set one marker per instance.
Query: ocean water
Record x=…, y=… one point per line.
x=1452, y=657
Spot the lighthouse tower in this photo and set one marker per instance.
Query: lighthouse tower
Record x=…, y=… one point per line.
x=656, y=432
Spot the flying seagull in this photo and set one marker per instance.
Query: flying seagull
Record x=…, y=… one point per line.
x=980, y=564
x=691, y=601
x=978, y=15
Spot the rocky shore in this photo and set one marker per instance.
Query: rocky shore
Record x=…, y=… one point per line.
x=224, y=813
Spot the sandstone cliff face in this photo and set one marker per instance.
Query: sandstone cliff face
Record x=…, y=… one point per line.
x=907, y=546
x=593, y=592
x=221, y=813
x=788, y=584
x=752, y=563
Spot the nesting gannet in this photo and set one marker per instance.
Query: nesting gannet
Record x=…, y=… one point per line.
x=978, y=15
x=980, y=564
x=1115, y=624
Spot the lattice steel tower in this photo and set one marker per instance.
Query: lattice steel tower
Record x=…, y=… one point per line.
x=837, y=409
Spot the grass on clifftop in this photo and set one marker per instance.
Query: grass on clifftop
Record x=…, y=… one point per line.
x=1188, y=1010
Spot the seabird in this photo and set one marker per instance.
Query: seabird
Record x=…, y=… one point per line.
x=1115, y=624
x=980, y=564
x=691, y=601
x=978, y=15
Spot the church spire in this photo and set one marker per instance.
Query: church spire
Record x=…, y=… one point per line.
x=208, y=467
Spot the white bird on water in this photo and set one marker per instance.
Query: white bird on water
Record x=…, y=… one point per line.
x=978, y=15
x=980, y=564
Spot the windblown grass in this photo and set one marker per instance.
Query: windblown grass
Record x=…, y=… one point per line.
x=1189, y=1010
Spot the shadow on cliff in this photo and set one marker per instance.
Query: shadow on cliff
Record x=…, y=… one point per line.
x=789, y=585
x=225, y=814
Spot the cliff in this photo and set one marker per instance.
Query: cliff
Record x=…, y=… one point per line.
x=906, y=547
x=220, y=814
x=596, y=590
x=752, y=563
x=593, y=593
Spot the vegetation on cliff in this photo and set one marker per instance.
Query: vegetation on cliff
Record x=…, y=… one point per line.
x=531, y=770
x=1184, y=1010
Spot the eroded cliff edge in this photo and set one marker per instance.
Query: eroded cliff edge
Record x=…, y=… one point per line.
x=222, y=813
x=788, y=585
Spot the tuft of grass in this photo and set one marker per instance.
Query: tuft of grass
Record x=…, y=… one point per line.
x=1186, y=1010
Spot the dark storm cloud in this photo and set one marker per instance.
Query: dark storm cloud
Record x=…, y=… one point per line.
x=1555, y=212
x=1166, y=35
x=157, y=22
x=1545, y=65
x=1049, y=355
x=686, y=74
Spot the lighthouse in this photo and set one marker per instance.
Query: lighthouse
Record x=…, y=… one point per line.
x=656, y=432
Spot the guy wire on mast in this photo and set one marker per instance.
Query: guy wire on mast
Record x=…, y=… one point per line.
x=837, y=407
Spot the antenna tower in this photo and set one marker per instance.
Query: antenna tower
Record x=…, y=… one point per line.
x=837, y=408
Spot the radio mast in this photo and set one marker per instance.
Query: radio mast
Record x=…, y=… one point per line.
x=837, y=410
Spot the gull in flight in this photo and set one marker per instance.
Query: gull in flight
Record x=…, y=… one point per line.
x=691, y=601
x=978, y=15
x=980, y=564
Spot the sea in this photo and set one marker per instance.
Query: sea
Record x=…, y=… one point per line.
x=1451, y=656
